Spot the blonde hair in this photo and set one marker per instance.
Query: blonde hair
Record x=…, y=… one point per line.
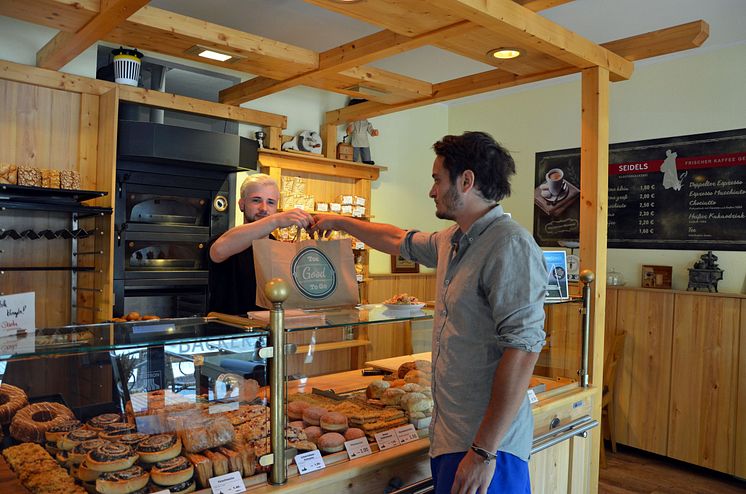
x=257, y=179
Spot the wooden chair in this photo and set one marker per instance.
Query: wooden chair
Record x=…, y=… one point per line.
x=611, y=362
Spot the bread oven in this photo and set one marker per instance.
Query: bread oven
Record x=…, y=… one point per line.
x=173, y=198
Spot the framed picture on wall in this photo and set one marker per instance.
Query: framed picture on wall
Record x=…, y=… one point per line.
x=401, y=265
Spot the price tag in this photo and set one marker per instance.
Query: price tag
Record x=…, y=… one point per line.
x=359, y=278
x=387, y=439
x=532, y=397
x=359, y=245
x=223, y=407
x=164, y=491
x=309, y=462
x=230, y=483
x=358, y=448
x=406, y=434
x=17, y=313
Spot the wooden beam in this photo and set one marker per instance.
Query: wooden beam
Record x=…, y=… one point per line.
x=192, y=105
x=537, y=5
x=385, y=80
x=349, y=56
x=65, y=45
x=526, y=28
x=17, y=72
x=661, y=42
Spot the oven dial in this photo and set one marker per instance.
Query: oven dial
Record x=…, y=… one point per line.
x=220, y=203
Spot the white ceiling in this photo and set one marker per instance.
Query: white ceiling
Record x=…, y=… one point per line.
x=302, y=24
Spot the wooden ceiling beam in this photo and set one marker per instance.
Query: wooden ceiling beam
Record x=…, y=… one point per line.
x=675, y=39
x=537, y=5
x=66, y=45
x=349, y=56
x=526, y=28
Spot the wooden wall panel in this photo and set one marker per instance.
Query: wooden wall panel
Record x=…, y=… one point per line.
x=740, y=460
x=642, y=393
x=702, y=425
x=550, y=469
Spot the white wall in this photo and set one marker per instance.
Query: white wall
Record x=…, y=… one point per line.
x=700, y=93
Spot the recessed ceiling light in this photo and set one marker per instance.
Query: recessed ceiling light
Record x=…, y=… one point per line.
x=213, y=55
x=504, y=53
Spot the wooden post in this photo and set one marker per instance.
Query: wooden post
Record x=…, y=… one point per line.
x=274, y=138
x=594, y=171
x=329, y=134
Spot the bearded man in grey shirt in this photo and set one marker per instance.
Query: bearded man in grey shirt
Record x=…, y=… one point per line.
x=489, y=318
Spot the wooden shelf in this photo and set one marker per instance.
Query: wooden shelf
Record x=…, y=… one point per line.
x=313, y=163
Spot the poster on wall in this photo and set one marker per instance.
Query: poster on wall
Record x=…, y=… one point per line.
x=686, y=192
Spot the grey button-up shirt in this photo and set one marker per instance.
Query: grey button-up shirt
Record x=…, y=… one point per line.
x=490, y=296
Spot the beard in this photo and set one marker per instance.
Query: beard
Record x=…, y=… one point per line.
x=250, y=218
x=451, y=202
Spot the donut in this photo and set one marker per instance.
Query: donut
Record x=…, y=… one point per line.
x=331, y=442
x=311, y=415
x=132, y=439
x=313, y=433
x=100, y=421
x=12, y=399
x=112, y=432
x=376, y=388
x=295, y=409
x=333, y=421
x=160, y=447
x=55, y=433
x=110, y=457
x=75, y=437
x=31, y=423
x=353, y=433
x=123, y=481
x=172, y=472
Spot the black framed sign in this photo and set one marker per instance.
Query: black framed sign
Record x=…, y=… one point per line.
x=686, y=192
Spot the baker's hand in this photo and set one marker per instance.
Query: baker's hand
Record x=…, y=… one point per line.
x=473, y=475
x=325, y=224
x=294, y=217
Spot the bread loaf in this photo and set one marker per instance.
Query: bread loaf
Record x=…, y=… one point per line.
x=202, y=467
x=219, y=462
x=69, y=179
x=199, y=434
x=28, y=175
x=8, y=174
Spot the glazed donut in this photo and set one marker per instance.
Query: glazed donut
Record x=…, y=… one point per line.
x=353, y=433
x=311, y=415
x=75, y=437
x=12, y=399
x=132, y=439
x=160, y=447
x=295, y=409
x=333, y=421
x=112, y=432
x=110, y=457
x=99, y=422
x=31, y=423
x=331, y=442
x=171, y=472
x=123, y=481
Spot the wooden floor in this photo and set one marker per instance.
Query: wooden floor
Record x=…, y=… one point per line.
x=633, y=471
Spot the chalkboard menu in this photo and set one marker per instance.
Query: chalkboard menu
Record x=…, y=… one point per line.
x=685, y=192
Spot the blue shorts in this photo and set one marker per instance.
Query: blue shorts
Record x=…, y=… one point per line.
x=511, y=474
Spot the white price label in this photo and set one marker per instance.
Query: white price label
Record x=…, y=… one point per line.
x=387, y=439
x=230, y=483
x=406, y=434
x=359, y=245
x=223, y=407
x=17, y=313
x=309, y=462
x=164, y=491
x=532, y=397
x=358, y=448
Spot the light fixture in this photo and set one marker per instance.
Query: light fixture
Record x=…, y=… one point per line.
x=504, y=53
x=212, y=54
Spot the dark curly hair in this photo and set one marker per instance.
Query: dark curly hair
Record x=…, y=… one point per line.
x=491, y=163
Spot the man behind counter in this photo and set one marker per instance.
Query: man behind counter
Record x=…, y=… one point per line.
x=232, y=279
x=489, y=317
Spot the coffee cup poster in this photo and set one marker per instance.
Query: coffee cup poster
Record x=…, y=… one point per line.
x=686, y=192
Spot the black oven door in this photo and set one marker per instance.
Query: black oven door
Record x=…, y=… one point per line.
x=174, y=297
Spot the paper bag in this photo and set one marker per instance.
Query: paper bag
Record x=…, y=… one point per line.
x=321, y=273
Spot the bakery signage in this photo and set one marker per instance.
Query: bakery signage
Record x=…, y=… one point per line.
x=17, y=313
x=686, y=192
x=314, y=274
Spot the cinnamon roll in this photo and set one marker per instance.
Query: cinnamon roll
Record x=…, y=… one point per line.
x=132, y=439
x=181, y=488
x=122, y=482
x=112, y=432
x=55, y=433
x=159, y=448
x=85, y=474
x=79, y=452
x=75, y=437
x=171, y=472
x=99, y=422
x=110, y=457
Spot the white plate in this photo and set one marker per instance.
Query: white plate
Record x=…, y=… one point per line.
x=404, y=306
